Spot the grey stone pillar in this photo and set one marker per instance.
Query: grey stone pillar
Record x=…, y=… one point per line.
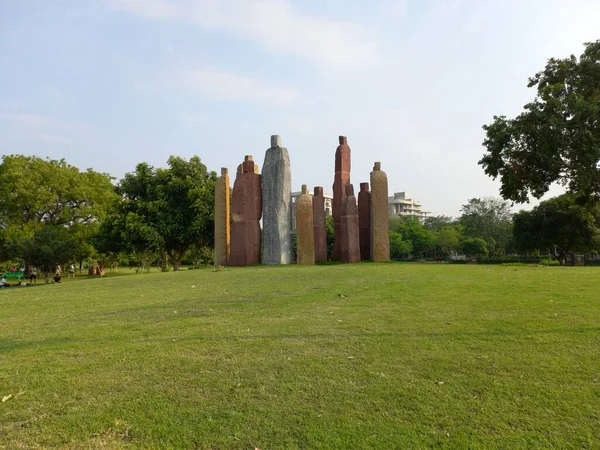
x=277, y=203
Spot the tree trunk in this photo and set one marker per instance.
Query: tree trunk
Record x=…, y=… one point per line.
x=176, y=264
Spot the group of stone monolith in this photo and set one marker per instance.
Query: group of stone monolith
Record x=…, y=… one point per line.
x=361, y=231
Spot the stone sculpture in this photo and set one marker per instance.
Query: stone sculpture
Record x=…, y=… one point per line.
x=350, y=246
x=246, y=211
x=277, y=204
x=222, y=219
x=380, y=226
x=319, y=226
x=341, y=179
x=364, y=221
x=304, y=228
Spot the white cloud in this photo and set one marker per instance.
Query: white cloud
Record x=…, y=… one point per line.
x=275, y=24
x=222, y=85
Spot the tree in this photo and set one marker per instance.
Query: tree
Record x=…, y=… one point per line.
x=556, y=138
x=412, y=230
x=448, y=239
x=436, y=223
x=166, y=210
x=559, y=225
x=35, y=191
x=475, y=247
x=488, y=218
x=399, y=248
x=50, y=246
x=330, y=234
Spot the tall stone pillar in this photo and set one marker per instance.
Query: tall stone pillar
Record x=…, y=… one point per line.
x=222, y=219
x=350, y=246
x=246, y=210
x=380, y=225
x=319, y=225
x=277, y=204
x=304, y=228
x=364, y=221
x=341, y=179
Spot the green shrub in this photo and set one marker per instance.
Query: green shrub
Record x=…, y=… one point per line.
x=549, y=262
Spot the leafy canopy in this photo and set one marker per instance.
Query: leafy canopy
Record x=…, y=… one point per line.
x=556, y=138
x=488, y=218
x=559, y=225
x=162, y=209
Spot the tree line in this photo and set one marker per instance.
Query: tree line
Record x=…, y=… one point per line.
x=52, y=213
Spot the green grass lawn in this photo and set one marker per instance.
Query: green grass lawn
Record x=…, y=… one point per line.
x=339, y=356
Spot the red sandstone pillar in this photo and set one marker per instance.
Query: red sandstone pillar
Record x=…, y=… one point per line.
x=341, y=179
x=320, y=230
x=364, y=221
x=246, y=211
x=350, y=246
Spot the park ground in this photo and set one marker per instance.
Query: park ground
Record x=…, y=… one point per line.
x=335, y=356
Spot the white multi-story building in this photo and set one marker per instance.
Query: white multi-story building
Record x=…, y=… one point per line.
x=328, y=207
x=401, y=205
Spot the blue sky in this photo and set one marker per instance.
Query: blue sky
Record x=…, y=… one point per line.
x=110, y=83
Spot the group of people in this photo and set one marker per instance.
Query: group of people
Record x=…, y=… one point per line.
x=58, y=273
x=33, y=273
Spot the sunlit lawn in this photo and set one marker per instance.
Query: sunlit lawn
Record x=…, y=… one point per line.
x=340, y=356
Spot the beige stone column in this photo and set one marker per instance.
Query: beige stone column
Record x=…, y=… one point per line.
x=222, y=219
x=380, y=222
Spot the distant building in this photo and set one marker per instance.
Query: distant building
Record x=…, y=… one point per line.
x=328, y=207
x=401, y=205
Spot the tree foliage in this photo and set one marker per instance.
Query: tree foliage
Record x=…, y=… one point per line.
x=36, y=191
x=490, y=219
x=556, y=138
x=447, y=239
x=50, y=246
x=162, y=209
x=399, y=248
x=413, y=231
x=559, y=225
x=475, y=247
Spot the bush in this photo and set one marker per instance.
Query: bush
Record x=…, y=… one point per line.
x=549, y=262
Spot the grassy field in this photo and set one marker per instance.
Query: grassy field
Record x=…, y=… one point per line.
x=356, y=356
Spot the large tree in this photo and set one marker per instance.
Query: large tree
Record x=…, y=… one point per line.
x=556, y=138
x=447, y=239
x=559, y=225
x=36, y=191
x=162, y=209
x=422, y=241
x=50, y=246
x=490, y=219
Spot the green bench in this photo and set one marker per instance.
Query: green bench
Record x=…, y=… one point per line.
x=17, y=275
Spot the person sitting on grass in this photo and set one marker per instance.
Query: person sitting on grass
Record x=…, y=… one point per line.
x=4, y=283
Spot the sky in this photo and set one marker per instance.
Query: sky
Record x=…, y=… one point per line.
x=107, y=84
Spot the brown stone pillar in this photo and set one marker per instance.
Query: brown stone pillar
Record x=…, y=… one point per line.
x=304, y=228
x=246, y=211
x=364, y=221
x=350, y=246
x=319, y=226
x=380, y=222
x=222, y=219
x=341, y=179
